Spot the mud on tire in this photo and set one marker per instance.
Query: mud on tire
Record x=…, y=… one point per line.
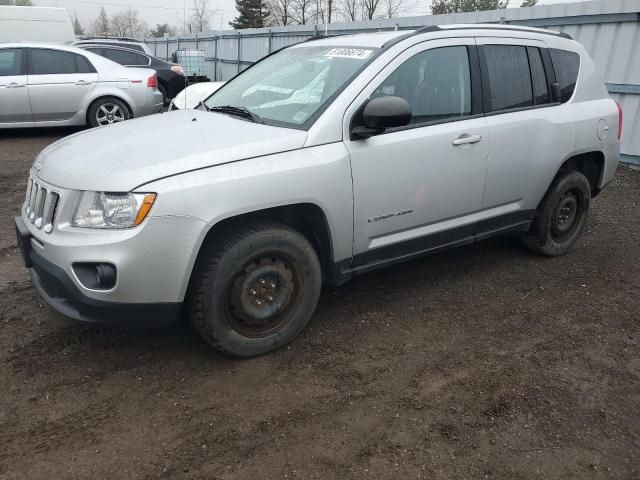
x=561, y=216
x=254, y=289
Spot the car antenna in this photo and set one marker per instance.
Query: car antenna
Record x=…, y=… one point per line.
x=186, y=84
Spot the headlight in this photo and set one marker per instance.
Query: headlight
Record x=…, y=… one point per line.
x=112, y=210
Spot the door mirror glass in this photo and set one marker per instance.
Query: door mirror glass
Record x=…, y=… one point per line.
x=381, y=113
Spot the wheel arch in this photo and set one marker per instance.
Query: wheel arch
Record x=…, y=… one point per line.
x=590, y=164
x=102, y=97
x=307, y=218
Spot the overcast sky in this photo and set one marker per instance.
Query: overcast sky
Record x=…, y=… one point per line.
x=171, y=11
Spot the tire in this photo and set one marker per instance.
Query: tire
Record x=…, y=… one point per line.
x=165, y=96
x=255, y=289
x=106, y=111
x=561, y=216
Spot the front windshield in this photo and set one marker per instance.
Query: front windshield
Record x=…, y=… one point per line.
x=290, y=86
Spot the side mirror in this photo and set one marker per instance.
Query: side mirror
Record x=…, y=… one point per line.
x=381, y=113
x=556, y=94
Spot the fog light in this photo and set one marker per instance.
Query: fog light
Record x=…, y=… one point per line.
x=96, y=276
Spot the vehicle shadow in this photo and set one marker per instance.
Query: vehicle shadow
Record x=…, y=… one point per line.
x=79, y=349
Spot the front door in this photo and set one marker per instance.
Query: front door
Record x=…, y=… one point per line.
x=59, y=83
x=419, y=187
x=14, y=98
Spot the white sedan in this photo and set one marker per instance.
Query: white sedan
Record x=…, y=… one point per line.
x=191, y=96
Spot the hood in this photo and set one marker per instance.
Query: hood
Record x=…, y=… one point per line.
x=120, y=157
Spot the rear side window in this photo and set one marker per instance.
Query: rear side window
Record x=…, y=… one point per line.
x=566, y=65
x=124, y=58
x=436, y=83
x=509, y=77
x=538, y=77
x=50, y=62
x=11, y=62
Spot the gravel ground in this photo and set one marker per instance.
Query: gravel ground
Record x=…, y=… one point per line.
x=483, y=362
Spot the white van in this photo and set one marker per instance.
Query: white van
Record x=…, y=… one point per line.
x=35, y=24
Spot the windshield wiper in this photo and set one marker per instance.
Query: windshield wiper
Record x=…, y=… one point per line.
x=243, y=112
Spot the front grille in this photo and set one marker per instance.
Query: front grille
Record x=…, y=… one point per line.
x=41, y=205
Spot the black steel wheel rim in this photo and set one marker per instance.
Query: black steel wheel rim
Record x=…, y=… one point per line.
x=566, y=215
x=262, y=295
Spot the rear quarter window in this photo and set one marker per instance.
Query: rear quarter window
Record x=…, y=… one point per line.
x=567, y=66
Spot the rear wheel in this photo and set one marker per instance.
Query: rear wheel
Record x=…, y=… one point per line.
x=106, y=111
x=561, y=216
x=165, y=97
x=255, y=290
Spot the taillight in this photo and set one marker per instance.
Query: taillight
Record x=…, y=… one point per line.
x=177, y=69
x=152, y=82
x=619, y=120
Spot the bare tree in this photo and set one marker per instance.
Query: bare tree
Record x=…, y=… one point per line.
x=301, y=12
x=370, y=8
x=201, y=16
x=350, y=10
x=127, y=24
x=392, y=8
x=280, y=12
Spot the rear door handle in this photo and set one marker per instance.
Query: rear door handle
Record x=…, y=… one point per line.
x=15, y=85
x=82, y=83
x=465, y=139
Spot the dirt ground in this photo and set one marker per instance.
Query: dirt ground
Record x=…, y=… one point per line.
x=483, y=362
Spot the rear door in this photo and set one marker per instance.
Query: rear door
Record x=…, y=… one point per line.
x=528, y=132
x=59, y=83
x=14, y=98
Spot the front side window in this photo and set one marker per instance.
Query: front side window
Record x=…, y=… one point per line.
x=11, y=62
x=48, y=62
x=566, y=65
x=290, y=87
x=436, y=83
x=509, y=77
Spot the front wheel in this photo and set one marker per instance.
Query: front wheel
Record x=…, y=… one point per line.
x=254, y=290
x=561, y=216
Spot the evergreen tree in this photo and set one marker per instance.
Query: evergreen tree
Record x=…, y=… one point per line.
x=101, y=25
x=253, y=14
x=439, y=7
x=23, y=3
x=529, y=3
x=77, y=28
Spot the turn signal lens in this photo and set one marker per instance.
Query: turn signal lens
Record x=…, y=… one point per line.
x=147, y=203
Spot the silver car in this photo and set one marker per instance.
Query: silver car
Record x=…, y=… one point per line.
x=45, y=85
x=323, y=161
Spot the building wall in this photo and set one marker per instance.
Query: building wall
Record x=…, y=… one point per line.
x=609, y=29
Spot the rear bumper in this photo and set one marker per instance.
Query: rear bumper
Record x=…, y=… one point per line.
x=153, y=104
x=61, y=293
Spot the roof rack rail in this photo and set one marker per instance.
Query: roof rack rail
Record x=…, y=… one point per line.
x=437, y=28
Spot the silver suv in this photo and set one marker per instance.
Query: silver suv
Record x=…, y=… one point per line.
x=326, y=159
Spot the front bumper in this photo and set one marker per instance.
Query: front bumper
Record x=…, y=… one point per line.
x=148, y=292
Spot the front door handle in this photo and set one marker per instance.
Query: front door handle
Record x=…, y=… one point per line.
x=465, y=139
x=15, y=85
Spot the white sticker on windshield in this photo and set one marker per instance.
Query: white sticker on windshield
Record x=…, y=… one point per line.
x=359, y=53
x=299, y=117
